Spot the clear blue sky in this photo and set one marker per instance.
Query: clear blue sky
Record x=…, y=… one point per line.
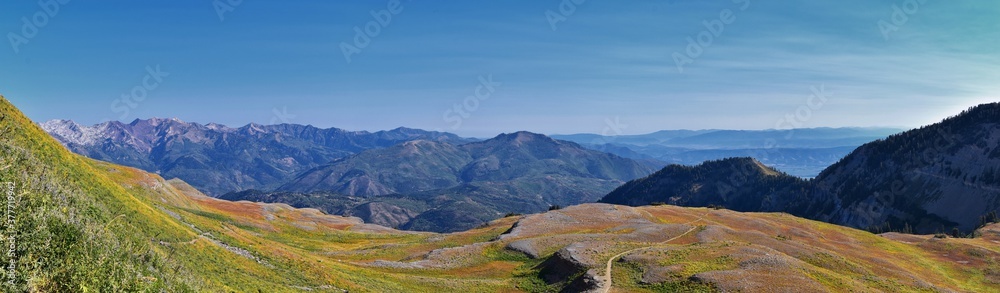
x=605, y=60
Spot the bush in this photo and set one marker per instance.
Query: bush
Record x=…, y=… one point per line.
x=956, y=233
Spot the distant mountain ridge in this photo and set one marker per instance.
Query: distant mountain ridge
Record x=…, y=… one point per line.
x=438, y=186
x=219, y=159
x=802, y=152
x=743, y=139
x=935, y=178
x=505, y=157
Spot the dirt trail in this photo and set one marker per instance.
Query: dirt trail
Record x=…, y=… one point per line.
x=606, y=286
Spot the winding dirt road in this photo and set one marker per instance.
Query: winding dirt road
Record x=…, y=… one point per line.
x=606, y=286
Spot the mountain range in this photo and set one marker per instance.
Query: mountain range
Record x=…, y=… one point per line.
x=937, y=178
x=218, y=159
x=439, y=186
x=402, y=178
x=79, y=225
x=422, y=180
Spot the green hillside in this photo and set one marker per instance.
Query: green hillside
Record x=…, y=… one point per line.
x=74, y=228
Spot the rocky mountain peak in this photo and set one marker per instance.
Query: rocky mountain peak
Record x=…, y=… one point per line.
x=70, y=132
x=254, y=129
x=188, y=151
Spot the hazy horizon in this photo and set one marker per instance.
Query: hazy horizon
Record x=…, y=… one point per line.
x=610, y=134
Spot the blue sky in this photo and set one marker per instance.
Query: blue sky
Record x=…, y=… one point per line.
x=605, y=63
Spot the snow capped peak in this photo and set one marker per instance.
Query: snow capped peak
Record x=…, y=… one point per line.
x=156, y=122
x=254, y=128
x=58, y=122
x=69, y=132
x=218, y=127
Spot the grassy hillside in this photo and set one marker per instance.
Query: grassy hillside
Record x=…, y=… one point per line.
x=74, y=229
x=89, y=226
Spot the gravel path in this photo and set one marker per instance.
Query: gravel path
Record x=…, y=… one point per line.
x=606, y=285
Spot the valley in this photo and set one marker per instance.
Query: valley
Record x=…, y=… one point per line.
x=428, y=181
